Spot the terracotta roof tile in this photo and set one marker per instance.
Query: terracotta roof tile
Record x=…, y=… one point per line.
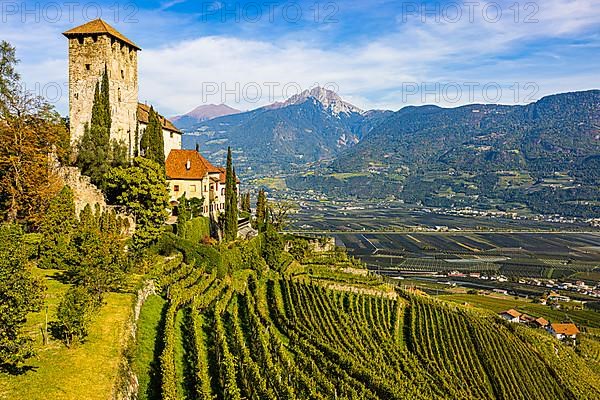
x=177, y=165
x=512, y=312
x=99, y=26
x=143, y=112
x=542, y=321
x=527, y=318
x=565, y=329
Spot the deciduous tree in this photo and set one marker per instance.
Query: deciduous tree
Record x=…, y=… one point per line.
x=99, y=261
x=20, y=294
x=30, y=130
x=142, y=189
x=57, y=231
x=74, y=314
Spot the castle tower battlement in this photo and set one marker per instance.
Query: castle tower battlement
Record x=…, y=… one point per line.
x=93, y=47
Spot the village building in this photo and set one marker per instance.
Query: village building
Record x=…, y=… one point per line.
x=564, y=331
x=191, y=175
x=527, y=319
x=553, y=296
x=541, y=322
x=511, y=315
x=96, y=47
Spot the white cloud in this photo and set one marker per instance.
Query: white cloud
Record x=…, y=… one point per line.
x=369, y=73
x=372, y=73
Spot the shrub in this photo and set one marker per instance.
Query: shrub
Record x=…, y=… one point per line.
x=197, y=229
x=74, y=315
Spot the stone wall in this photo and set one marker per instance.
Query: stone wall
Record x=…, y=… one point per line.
x=316, y=245
x=84, y=191
x=127, y=386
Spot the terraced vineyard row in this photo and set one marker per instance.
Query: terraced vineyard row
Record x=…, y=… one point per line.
x=274, y=338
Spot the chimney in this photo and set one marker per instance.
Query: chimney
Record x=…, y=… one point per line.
x=188, y=165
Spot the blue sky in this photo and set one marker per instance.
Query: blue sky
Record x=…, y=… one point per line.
x=376, y=54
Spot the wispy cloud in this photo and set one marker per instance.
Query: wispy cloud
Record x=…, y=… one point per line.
x=370, y=53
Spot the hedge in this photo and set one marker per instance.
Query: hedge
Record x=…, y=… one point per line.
x=197, y=229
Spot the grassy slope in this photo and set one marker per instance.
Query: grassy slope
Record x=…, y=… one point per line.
x=147, y=350
x=86, y=371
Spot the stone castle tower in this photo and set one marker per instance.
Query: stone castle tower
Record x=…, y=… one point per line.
x=93, y=47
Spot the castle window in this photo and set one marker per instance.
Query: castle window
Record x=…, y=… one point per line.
x=80, y=39
x=176, y=188
x=122, y=74
x=88, y=66
x=171, y=135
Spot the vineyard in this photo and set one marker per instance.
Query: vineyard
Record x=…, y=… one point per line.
x=271, y=335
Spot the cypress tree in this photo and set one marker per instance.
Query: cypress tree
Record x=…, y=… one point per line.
x=105, y=103
x=231, y=210
x=152, y=142
x=261, y=208
x=94, y=153
x=245, y=206
x=183, y=216
x=136, y=148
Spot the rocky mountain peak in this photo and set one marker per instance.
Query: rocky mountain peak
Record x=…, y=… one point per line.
x=328, y=98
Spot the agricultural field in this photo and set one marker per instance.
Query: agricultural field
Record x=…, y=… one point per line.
x=316, y=330
x=498, y=303
x=519, y=254
x=381, y=216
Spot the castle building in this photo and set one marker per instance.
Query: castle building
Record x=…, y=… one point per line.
x=190, y=174
x=94, y=47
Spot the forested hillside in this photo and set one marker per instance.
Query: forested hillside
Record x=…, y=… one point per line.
x=543, y=156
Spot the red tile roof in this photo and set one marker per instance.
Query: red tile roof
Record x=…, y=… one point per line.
x=527, y=318
x=177, y=165
x=512, y=312
x=98, y=26
x=143, y=112
x=541, y=321
x=565, y=329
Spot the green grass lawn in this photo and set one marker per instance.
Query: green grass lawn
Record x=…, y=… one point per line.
x=85, y=371
x=147, y=352
x=502, y=303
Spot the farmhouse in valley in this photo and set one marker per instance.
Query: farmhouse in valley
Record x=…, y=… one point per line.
x=193, y=176
x=95, y=47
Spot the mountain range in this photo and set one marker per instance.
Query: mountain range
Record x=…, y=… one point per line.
x=544, y=156
x=311, y=126
x=202, y=113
